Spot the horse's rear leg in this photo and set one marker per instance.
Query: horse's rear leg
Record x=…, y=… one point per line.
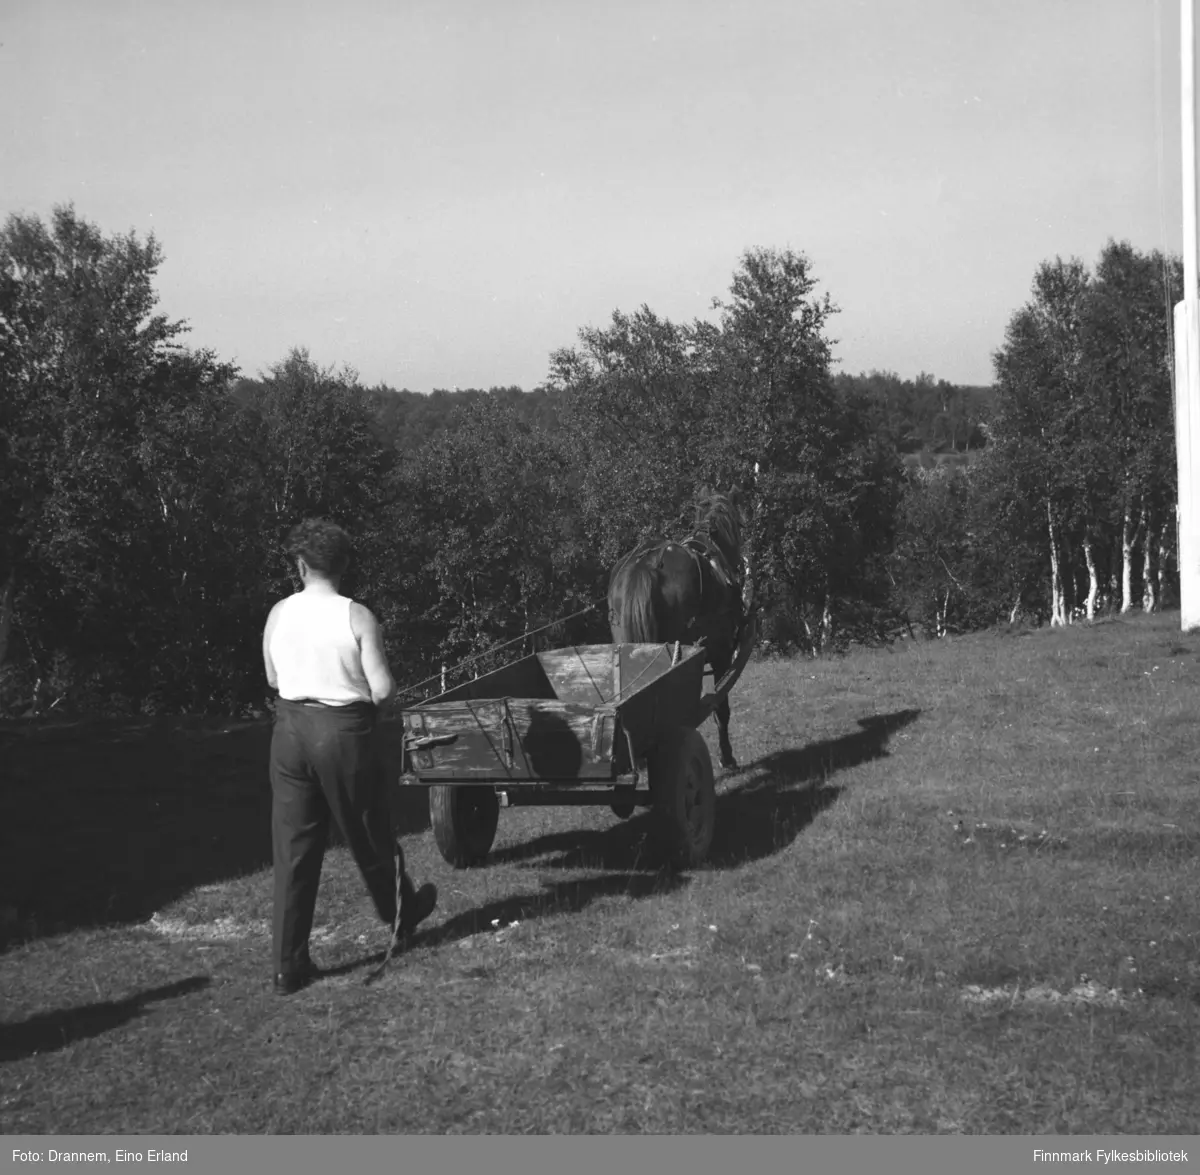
x=727, y=759
x=720, y=666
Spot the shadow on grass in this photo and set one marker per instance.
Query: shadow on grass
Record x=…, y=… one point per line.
x=48, y=1031
x=787, y=790
x=627, y=846
x=107, y=821
x=778, y=797
x=555, y=898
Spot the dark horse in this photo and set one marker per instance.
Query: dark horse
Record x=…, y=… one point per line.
x=687, y=591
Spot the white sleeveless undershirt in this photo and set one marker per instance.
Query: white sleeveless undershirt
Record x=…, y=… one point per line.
x=315, y=652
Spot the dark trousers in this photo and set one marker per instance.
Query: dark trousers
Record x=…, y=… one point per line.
x=325, y=762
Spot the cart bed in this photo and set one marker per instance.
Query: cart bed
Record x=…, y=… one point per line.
x=585, y=713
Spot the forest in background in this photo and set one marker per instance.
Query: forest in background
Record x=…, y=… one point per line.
x=145, y=486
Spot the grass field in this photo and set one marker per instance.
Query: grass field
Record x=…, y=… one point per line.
x=953, y=890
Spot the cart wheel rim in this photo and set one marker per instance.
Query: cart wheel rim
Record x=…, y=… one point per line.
x=694, y=815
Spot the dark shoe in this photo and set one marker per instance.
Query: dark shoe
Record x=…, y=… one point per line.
x=290, y=982
x=417, y=908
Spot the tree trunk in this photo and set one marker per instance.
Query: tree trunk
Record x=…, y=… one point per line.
x=1093, y=582
x=1149, y=603
x=1069, y=579
x=750, y=516
x=1127, y=561
x=1058, y=611
x=942, y=613
x=1164, y=551
x=7, y=594
x=1016, y=610
x=814, y=637
x=747, y=581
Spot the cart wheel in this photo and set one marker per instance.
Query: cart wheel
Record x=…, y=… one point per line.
x=622, y=810
x=685, y=798
x=464, y=822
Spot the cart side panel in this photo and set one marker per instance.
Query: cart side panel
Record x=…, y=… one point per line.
x=640, y=666
x=658, y=696
x=478, y=740
x=564, y=740
x=511, y=740
x=582, y=674
x=522, y=679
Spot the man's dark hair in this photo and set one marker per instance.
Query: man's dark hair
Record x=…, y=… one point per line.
x=323, y=545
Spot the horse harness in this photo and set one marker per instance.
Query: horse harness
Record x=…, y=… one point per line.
x=701, y=546
x=703, y=550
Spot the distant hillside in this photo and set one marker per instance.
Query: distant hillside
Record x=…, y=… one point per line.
x=407, y=420
x=921, y=416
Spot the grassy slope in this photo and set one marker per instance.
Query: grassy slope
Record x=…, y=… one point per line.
x=1001, y=810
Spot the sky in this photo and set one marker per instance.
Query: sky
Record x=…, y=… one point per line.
x=443, y=194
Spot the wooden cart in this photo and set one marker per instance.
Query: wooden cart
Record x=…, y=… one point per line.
x=611, y=725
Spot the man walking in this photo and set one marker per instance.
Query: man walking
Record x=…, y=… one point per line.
x=324, y=654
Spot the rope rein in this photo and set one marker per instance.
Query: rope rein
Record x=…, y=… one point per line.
x=378, y=972
x=412, y=691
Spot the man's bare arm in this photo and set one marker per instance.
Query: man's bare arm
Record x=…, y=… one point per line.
x=374, y=659
x=268, y=664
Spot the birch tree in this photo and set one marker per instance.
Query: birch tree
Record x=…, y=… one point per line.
x=822, y=492
x=1128, y=339
x=657, y=409
x=1041, y=400
x=1085, y=423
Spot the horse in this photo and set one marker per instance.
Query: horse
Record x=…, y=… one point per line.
x=688, y=591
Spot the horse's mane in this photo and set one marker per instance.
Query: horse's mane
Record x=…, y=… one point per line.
x=717, y=532
x=719, y=520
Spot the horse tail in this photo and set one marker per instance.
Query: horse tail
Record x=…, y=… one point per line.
x=634, y=616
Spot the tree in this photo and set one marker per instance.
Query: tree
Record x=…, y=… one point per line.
x=822, y=487
x=497, y=554
x=77, y=340
x=83, y=359
x=1084, y=423
x=1128, y=336
x=656, y=410
x=1041, y=400
x=634, y=400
